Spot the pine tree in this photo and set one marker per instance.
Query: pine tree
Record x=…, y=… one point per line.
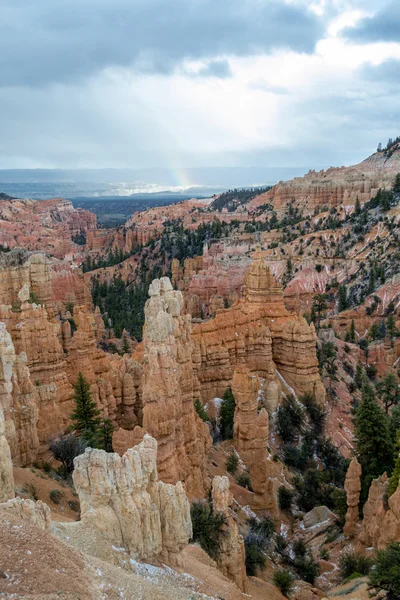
x=125, y=345
x=227, y=413
x=85, y=418
x=318, y=307
x=342, y=298
x=352, y=331
x=391, y=327
x=373, y=442
x=389, y=391
x=394, y=480
x=357, y=207
x=104, y=436
x=396, y=185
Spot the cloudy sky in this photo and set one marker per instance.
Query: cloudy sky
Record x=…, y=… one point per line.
x=186, y=83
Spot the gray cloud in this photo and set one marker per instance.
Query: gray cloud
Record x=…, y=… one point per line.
x=387, y=73
x=216, y=68
x=46, y=42
x=382, y=26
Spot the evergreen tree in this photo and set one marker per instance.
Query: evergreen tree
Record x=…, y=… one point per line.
x=85, y=418
x=357, y=209
x=125, y=345
x=318, y=308
x=342, y=297
x=373, y=333
x=394, y=480
x=388, y=390
x=386, y=574
x=391, y=327
x=227, y=414
x=360, y=375
x=352, y=331
x=104, y=437
x=373, y=442
x=396, y=185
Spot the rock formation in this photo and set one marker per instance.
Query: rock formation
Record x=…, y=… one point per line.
x=353, y=488
x=6, y=468
x=36, y=513
x=278, y=346
x=333, y=187
x=122, y=497
x=381, y=522
x=18, y=400
x=47, y=225
x=231, y=559
x=251, y=425
x=169, y=388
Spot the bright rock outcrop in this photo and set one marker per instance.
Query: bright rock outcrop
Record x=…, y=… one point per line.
x=6, y=468
x=122, y=498
x=231, y=559
x=352, y=486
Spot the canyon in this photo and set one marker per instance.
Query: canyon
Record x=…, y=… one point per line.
x=288, y=303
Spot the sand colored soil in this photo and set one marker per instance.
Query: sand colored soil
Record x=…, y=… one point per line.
x=43, y=485
x=36, y=565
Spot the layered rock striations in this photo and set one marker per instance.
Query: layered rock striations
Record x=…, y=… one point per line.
x=333, y=187
x=169, y=387
x=48, y=225
x=231, y=557
x=122, y=498
x=259, y=331
x=251, y=428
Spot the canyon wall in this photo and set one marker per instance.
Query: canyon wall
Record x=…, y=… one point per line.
x=276, y=345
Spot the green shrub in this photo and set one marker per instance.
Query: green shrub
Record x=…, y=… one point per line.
x=30, y=490
x=206, y=527
x=227, y=413
x=232, y=463
x=264, y=527
x=307, y=568
x=324, y=554
x=285, y=498
x=280, y=544
x=290, y=419
x=74, y=505
x=46, y=466
x=284, y=581
x=199, y=408
x=386, y=575
x=351, y=562
x=56, y=495
x=244, y=480
x=255, y=557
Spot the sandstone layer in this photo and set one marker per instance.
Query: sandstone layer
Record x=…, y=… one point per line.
x=251, y=426
x=275, y=344
x=169, y=387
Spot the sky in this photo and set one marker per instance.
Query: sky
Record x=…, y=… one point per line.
x=197, y=83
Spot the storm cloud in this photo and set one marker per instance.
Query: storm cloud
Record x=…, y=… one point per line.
x=382, y=26
x=197, y=83
x=51, y=41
